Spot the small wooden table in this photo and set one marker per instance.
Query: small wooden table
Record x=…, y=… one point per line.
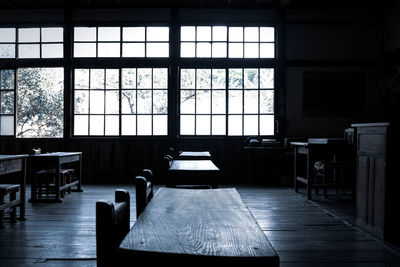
x=12, y=164
x=198, y=226
x=194, y=155
x=314, y=149
x=55, y=160
x=193, y=172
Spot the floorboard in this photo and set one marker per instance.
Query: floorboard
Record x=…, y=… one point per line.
x=304, y=233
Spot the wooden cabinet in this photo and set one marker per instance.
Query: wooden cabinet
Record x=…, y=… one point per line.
x=376, y=192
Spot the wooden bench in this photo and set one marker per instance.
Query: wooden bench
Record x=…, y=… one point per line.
x=11, y=189
x=144, y=190
x=112, y=224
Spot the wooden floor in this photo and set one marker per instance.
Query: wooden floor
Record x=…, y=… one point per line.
x=304, y=233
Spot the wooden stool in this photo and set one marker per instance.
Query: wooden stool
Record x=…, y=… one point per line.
x=11, y=189
x=331, y=173
x=45, y=179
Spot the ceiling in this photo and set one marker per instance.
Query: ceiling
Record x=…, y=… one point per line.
x=230, y=4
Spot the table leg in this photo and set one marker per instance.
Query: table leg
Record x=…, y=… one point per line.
x=79, y=173
x=57, y=180
x=22, y=193
x=309, y=183
x=296, y=187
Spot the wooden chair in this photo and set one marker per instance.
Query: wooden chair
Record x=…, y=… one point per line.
x=11, y=189
x=167, y=161
x=112, y=225
x=144, y=190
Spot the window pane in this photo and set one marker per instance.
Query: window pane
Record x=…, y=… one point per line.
x=133, y=50
x=250, y=78
x=251, y=50
x=85, y=50
x=235, y=79
x=29, y=35
x=266, y=101
x=144, y=102
x=128, y=126
x=218, y=79
x=112, y=102
x=250, y=125
x=109, y=50
x=267, y=50
x=128, y=101
x=203, y=125
x=187, y=125
x=235, y=104
x=112, y=125
x=144, y=78
x=52, y=34
x=251, y=34
x=81, y=123
x=52, y=51
x=112, y=79
x=203, y=33
x=203, y=79
x=7, y=50
x=109, y=34
x=267, y=124
x=81, y=79
x=157, y=50
x=251, y=101
x=235, y=50
x=203, y=101
x=7, y=102
x=187, y=101
x=144, y=124
x=187, y=78
x=29, y=51
x=157, y=33
x=81, y=102
x=160, y=102
x=235, y=125
x=96, y=79
x=7, y=35
x=7, y=79
x=84, y=34
x=218, y=102
x=6, y=125
x=160, y=125
x=160, y=78
x=267, y=34
x=218, y=125
x=219, y=50
x=96, y=125
x=40, y=102
x=236, y=34
x=188, y=50
x=219, y=33
x=133, y=34
x=266, y=78
x=188, y=33
x=96, y=102
x=203, y=50
x=129, y=78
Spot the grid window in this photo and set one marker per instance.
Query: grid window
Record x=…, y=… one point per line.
x=114, y=42
x=235, y=101
x=7, y=100
x=129, y=101
x=32, y=42
x=227, y=42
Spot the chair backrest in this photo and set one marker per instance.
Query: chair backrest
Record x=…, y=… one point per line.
x=349, y=136
x=112, y=225
x=144, y=193
x=166, y=164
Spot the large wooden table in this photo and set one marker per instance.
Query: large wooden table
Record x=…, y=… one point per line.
x=13, y=164
x=314, y=149
x=194, y=155
x=197, y=226
x=55, y=160
x=193, y=172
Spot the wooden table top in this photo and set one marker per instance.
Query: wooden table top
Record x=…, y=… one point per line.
x=193, y=165
x=57, y=154
x=194, y=155
x=187, y=222
x=321, y=141
x=9, y=157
